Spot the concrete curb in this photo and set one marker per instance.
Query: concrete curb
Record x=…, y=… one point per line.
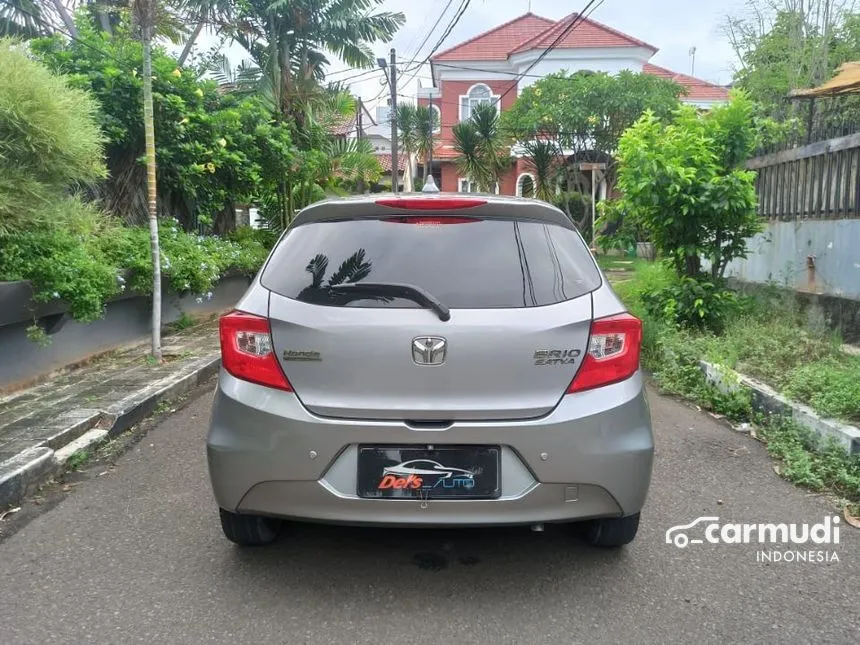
x=765, y=399
x=89, y=427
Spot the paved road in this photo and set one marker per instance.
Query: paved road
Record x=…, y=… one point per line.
x=136, y=556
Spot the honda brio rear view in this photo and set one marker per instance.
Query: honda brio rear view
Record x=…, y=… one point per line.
x=430, y=360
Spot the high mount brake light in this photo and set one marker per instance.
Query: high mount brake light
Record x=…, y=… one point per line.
x=431, y=203
x=613, y=353
x=247, y=352
x=433, y=220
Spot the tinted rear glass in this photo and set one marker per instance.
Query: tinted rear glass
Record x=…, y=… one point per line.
x=470, y=263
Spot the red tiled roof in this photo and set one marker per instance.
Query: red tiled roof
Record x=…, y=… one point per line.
x=385, y=161
x=444, y=152
x=697, y=89
x=587, y=33
x=496, y=43
x=342, y=127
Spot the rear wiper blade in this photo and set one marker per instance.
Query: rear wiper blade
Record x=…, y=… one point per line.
x=395, y=290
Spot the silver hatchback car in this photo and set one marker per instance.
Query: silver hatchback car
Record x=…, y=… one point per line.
x=430, y=360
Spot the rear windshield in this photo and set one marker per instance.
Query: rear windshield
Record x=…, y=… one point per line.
x=466, y=263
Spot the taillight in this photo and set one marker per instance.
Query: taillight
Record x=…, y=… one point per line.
x=613, y=353
x=247, y=352
x=431, y=203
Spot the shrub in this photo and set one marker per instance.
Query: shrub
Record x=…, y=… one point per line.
x=688, y=302
x=684, y=182
x=84, y=263
x=49, y=140
x=64, y=262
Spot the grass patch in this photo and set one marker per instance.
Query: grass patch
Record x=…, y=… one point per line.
x=78, y=459
x=766, y=339
x=808, y=461
x=185, y=321
x=620, y=263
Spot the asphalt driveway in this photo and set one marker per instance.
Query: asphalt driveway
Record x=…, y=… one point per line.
x=136, y=556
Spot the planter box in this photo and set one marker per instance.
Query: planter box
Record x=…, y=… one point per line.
x=127, y=320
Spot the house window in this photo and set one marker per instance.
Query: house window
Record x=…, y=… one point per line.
x=437, y=118
x=526, y=185
x=477, y=95
x=468, y=186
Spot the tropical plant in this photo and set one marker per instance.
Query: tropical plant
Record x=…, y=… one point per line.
x=353, y=161
x=288, y=39
x=214, y=13
x=31, y=18
x=479, y=144
x=50, y=142
x=215, y=148
x=426, y=125
x=407, y=129
x=543, y=156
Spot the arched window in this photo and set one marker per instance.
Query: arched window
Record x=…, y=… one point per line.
x=437, y=118
x=525, y=185
x=476, y=95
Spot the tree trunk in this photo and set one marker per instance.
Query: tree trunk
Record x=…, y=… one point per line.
x=190, y=42
x=149, y=132
x=66, y=18
x=274, y=62
x=692, y=265
x=104, y=21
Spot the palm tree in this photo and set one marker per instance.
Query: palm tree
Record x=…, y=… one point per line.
x=353, y=161
x=426, y=124
x=288, y=39
x=407, y=128
x=145, y=15
x=214, y=13
x=482, y=154
x=543, y=157
x=32, y=18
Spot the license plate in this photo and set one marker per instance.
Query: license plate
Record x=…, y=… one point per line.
x=411, y=472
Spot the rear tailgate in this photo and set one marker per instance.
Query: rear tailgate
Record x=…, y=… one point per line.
x=519, y=293
x=367, y=367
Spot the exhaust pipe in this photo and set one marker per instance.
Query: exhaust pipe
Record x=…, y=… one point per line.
x=537, y=528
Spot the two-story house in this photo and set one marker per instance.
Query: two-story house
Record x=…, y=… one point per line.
x=491, y=68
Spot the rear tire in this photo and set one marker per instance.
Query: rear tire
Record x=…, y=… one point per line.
x=249, y=530
x=612, y=532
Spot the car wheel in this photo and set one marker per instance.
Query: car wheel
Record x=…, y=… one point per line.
x=249, y=530
x=612, y=531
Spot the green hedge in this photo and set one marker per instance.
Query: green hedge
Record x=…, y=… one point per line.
x=86, y=267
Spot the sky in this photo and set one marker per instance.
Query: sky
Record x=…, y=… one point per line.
x=673, y=26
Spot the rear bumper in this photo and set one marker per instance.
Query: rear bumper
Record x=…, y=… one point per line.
x=591, y=457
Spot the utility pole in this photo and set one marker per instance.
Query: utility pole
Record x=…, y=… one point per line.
x=395, y=166
x=692, y=61
x=429, y=169
x=359, y=134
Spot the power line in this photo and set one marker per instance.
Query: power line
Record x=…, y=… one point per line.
x=460, y=11
x=579, y=18
x=433, y=28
